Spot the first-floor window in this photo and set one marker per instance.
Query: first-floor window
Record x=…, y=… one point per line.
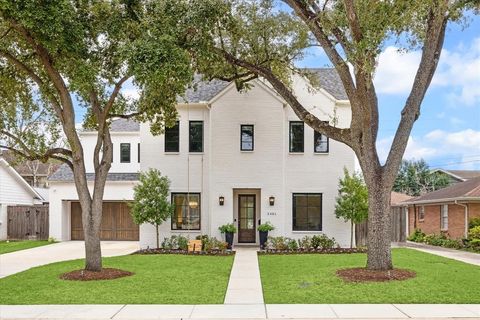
x=444, y=217
x=307, y=212
x=124, y=152
x=320, y=142
x=186, y=213
x=421, y=213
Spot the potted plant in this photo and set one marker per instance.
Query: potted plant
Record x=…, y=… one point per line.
x=229, y=229
x=263, y=230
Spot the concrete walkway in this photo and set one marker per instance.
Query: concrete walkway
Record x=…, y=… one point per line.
x=245, y=285
x=246, y=311
x=18, y=261
x=467, y=257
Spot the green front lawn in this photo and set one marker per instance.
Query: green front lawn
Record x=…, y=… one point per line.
x=11, y=246
x=158, y=279
x=311, y=279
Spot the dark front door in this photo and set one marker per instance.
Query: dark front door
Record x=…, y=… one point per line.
x=246, y=218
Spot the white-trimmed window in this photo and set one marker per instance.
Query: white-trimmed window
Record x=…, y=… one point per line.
x=444, y=217
x=421, y=213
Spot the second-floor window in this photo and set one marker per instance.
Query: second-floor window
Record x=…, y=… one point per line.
x=320, y=143
x=296, y=136
x=195, y=136
x=246, y=137
x=138, y=152
x=172, y=138
x=124, y=152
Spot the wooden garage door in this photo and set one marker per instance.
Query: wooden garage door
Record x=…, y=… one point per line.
x=117, y=223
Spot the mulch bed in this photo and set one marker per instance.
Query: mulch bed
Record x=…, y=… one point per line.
x=365, y=275
x=185, y=252
x=318, y=251
x=105, y=274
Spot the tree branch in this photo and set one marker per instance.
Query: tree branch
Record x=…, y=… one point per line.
x=342, y=135
x=114, y=94
x=311, y=19
x=430, y=56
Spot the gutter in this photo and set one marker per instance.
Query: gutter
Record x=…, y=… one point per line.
x=442, y=200
x=466, y=216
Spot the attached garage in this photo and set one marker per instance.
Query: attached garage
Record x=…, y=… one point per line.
x=117, y=223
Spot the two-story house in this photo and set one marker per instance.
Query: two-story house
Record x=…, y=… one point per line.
x=241, y=157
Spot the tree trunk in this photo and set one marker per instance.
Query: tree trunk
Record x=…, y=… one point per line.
x=379, y=256
x=91, y=217
x=351, y=233
x=158, y=237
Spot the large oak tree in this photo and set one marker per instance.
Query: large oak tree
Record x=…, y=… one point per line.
x=59, y=56
x=265, y=38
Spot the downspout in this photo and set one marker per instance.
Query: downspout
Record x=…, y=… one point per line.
x=466, y=216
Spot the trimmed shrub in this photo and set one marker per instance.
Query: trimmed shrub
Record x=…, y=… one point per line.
x=474, y=233
x=475, y=222
x=417, y=236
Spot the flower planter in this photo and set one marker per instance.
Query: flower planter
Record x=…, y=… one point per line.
x=229, y=239
x=263, y=238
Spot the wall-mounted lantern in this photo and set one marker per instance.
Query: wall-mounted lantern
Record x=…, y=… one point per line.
x=271, y=199
x=221, y=200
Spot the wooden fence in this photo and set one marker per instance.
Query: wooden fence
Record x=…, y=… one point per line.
x=399, y=223
x=27, y=222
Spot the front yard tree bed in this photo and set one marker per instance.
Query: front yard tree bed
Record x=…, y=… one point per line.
x=157, y=279
x=311, y=278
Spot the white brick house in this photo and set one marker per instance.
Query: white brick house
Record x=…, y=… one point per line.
x=243, y=158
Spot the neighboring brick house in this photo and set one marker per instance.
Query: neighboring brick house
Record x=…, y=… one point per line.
x=446, y=210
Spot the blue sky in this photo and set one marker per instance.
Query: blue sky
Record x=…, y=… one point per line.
x=447, y=134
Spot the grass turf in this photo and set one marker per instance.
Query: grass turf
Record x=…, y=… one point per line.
x=11, y=246
x=158, y=279
x=311, y=278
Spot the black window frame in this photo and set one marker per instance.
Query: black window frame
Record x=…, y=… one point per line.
x=138, y=152
x=187, y=194
x=315, y=135
x=241, y=137
x=190, y=123
x=129, y=152
x=290, y=146
x=294, y=211
x=175, y=144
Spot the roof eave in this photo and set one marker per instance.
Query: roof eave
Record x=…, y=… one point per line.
x=433, y=201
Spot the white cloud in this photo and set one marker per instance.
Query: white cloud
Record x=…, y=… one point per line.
x=458, y=69
x=439, y=147
x=396, y=71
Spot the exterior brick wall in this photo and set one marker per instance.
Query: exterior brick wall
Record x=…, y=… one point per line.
x=431, y=223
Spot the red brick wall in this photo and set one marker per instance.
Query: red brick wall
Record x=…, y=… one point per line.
x=431, y=223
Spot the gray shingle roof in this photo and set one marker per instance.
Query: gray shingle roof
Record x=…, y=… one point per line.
x=124, y=125
x=201, y=91
x=330, y=81
x=204, y=90
x=64, y=173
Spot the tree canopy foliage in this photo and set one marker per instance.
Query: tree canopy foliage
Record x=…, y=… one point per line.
x=415, y=178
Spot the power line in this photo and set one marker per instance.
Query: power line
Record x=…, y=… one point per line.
x=453, y=163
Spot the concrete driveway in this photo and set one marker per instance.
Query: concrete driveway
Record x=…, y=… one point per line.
x=18, y=261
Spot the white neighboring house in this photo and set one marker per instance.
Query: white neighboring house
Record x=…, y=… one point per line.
x=14, y=190
x=233, y=157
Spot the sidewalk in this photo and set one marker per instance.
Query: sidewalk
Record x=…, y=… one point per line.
x=245, y=285
x=246, y=311
x=463, y=256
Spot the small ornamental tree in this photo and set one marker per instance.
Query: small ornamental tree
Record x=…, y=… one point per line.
x=151, y=203
x=352, y=202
